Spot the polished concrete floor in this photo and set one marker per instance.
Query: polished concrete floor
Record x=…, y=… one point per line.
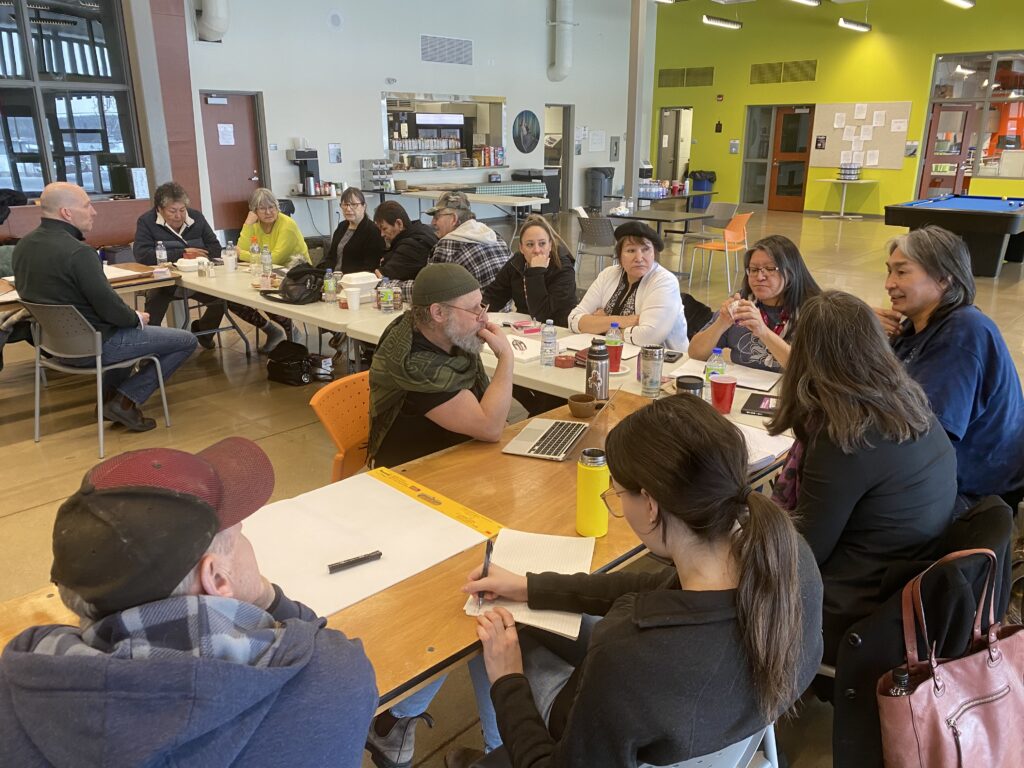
x=219, y=393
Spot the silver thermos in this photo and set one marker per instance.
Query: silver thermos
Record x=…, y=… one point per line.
x=597, y=369
x=309, y=186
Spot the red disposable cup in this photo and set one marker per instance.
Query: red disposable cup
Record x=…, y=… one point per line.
x=723, y=390
x=614, y=357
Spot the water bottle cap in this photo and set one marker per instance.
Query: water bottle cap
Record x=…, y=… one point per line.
x=615, y=325
x=550, y=322
x=716, y=351
x=593, y=457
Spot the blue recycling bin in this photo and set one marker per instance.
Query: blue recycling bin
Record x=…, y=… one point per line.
x=701, y=181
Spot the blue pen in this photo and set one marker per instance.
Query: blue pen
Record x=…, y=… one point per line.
x=483, y=573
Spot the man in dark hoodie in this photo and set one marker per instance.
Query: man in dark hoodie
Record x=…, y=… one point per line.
x=409, y=242
x=186, y=654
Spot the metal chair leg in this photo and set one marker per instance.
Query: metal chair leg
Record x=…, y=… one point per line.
x=771, y=751
x=163, y=392
x=99, y=401
x=37, y=388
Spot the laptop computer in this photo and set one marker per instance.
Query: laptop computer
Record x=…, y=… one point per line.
x=551, y=439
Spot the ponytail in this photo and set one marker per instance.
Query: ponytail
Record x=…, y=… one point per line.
x=768, y=602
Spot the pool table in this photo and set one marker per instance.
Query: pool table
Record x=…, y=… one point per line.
x=992, y=227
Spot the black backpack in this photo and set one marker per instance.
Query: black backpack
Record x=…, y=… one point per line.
x=303, y=284
x=291, y=363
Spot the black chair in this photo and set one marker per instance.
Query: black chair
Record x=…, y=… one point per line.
x=697, y=314
x=874, y=645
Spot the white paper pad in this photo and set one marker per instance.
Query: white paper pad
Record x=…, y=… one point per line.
x=580, y=341
x=762, y=448
x=507, y=317
x=117, y=273
x=296, y=539
x=748, y=378
x=522, y=552
x=526, y=349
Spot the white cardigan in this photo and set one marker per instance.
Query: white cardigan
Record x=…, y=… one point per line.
x=658, y=303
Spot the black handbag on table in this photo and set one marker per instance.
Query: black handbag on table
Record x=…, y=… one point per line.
x=303, y=284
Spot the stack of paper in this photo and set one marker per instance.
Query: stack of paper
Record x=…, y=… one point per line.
x=113, y=273
x=748, y=378
x=524, y=553
x=762, y=448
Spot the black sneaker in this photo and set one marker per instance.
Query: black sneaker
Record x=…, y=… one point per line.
x=395, y=749
x=131, y=418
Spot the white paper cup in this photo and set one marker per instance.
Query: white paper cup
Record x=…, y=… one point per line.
x=352, y=296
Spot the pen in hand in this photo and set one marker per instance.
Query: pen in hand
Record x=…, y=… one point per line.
x=483, y=573
x=342, y=565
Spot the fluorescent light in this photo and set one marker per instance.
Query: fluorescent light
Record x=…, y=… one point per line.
x=811, y=3
x=718, y=21
x=856, y=26
x=964, y=70
x=666, y=2
x=966, y=4
x=984, y=82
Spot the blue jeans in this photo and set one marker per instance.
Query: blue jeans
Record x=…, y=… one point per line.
x=417, y=703
x=170, y=345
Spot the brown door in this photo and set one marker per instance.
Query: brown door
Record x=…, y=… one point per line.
x=952, y=137
x=789, y=160
x=231, y=134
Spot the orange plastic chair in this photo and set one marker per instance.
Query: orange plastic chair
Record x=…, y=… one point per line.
x=734, y=240
x=343, y=407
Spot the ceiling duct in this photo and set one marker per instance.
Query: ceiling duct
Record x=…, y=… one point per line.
x=212, y=20
x=561, y=46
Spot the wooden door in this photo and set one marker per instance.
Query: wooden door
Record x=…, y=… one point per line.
x=948, y=153
x=792, y=150
x=231, y=133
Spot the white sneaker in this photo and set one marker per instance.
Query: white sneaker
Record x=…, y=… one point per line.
x=275, y=335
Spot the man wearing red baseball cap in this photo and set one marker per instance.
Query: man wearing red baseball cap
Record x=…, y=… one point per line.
x=186, y=654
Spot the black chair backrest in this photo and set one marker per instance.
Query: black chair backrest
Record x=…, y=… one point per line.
x=697, y=314
x=874, y=644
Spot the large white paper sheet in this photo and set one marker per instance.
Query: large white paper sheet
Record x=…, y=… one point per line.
x=580, y=341
x=296, y=539
x=748, y=378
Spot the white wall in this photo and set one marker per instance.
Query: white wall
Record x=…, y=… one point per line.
x=325, y=84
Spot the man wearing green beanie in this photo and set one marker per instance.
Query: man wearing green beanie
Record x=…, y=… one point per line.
x=428, y=388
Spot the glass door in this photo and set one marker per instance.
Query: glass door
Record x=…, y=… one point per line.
x=789, y=160
x=949, y=153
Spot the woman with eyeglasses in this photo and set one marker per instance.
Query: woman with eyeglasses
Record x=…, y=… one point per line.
x=685, y=660
x=279, y=232
x=357, y=245
x=757, y=324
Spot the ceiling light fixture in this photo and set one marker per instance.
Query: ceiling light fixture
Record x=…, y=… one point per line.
x=666, y=2
x=965, y=4
x=718, y=21
x=856, y=26
x=962, y=70
x=811, y=3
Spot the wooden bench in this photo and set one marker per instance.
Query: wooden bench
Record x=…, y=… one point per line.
x=43, y=606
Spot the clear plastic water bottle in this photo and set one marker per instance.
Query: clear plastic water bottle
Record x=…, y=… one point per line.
x=330, y=287
x=254, y=255
x=161, y=254
x=548, y=344
x=266, y=267
x=613, y=340
x=714, y=366
x=387, y=297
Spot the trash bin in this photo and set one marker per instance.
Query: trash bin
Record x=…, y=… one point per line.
x=701, y=181
x=597, y=184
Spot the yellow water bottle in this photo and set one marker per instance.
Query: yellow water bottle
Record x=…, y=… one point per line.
x=591, y=481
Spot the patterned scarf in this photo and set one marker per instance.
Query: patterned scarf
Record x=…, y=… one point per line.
x=623, y=301
x=188, y=626
x=397, y=370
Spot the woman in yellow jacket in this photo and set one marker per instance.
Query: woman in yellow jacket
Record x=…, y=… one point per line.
x=267, y=226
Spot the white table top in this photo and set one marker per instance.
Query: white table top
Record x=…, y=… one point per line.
x=474, y=197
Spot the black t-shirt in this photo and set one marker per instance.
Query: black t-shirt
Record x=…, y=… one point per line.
x=412, y=434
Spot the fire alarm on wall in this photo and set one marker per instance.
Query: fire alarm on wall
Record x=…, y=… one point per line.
x=718, y=127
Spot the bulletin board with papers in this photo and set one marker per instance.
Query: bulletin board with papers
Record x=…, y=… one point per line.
x=872, y=134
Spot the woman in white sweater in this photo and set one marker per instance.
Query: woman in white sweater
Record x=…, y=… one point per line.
x=637, y=293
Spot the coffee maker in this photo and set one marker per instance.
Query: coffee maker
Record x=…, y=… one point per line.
x=309, y=168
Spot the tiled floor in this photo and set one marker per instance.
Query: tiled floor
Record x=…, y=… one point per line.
x=221, y=393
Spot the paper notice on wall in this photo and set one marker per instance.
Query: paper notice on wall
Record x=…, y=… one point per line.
x=860, y=111
x=839, y=121
x=226, y=134
x=664, y=141
x=878, y=118
x=858, y=158
x=597, y=139
x=872, y=157
x=849, y=133
x=858, y=145
x=898, y=126
x=867, y=132
x=846, y=157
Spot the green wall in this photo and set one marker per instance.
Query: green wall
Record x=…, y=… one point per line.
x=893, y=62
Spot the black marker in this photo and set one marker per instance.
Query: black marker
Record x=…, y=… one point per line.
x=483, y=573
x=342, y=565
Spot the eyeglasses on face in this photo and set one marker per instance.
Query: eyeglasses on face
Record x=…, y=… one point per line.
x=766, y=271
x=266, y=209
x=356, y=204
x=478, y=313
x=613, y=501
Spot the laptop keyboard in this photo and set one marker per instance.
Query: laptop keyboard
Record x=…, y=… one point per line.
x=557, y=438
